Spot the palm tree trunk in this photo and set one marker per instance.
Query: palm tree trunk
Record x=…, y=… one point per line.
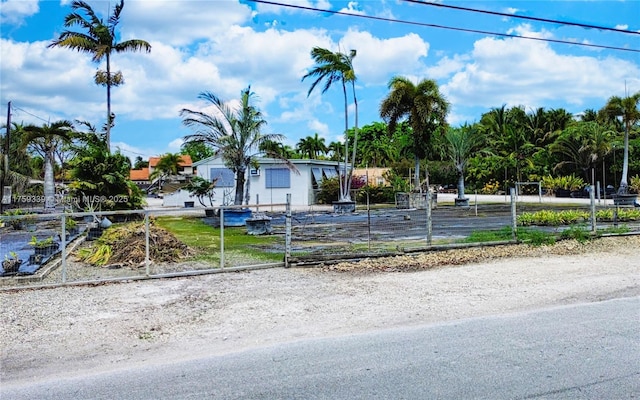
x=416, y=175
x=108, y=134
x=344, y=190
x=49, y=183
x=247, y=193
x=460, y=185
x=240, y=176
x=355, y=139
x=624, y=185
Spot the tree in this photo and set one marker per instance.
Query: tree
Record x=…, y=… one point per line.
x=422, y=106
x=312, y=146
x=197, y=151
x=335, y=150
x=332, y=68
x=44, y=140
x=201, y=189
x=234, y=134
x=15, y=162
x=101, y=178
x=275, y=149
x=462, y=143
x=167, y=166
x=139, y=163
x=628, y=108
x=99, y=40
x=376, y=148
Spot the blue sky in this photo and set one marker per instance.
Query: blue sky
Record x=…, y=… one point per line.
x=224, y=45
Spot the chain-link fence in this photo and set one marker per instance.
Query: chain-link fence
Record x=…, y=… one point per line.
x=136, y=244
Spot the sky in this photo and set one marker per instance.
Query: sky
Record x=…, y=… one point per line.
x=223, y=46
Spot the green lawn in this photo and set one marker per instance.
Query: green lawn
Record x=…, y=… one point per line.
x=239, y=247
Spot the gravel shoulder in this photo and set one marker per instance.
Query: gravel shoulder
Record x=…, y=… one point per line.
x=65, y=331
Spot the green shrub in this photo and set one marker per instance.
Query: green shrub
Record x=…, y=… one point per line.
x=579, y=233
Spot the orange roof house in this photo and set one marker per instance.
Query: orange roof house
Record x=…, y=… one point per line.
x=139, y=175
x=185, y=165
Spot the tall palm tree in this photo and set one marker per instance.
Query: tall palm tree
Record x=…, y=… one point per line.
x=234, y=134
x=45, y=140
x=461, y=144
x=424, y=108
x=629, y=109
x=332, y=68
x=99, y=40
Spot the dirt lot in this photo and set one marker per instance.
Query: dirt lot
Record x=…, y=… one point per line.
x=49, y=333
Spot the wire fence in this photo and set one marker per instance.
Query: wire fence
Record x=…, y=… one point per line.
x=65, y=248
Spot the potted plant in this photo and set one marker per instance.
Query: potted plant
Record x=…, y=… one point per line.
x=44, y=247
x=11, y=263
x=28, y=222
x=71, y=226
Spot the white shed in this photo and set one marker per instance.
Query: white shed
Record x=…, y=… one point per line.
x=271, y=181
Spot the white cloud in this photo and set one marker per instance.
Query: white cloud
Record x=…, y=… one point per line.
x=447, y=66
x=378, y=59
x=623, y=27
x=176, y=144
x=353, y=8
x=519, y=72
x=180, y=23
x=318, y=127
x=15, y=11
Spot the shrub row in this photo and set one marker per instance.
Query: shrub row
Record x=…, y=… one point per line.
x=569, y=217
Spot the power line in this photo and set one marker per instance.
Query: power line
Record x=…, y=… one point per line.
x=424, y=24
x=33, y=115
x=589, y=26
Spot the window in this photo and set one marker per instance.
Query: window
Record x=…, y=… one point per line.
x=225, y=177
x=330, y=172
x=277, y=178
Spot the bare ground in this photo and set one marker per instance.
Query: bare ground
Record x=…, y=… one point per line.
x=50, y=333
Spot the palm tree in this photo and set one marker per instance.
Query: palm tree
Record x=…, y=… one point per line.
x=424, y=108
x=234, y=134
x=167, y=166
x=45, y=140
x=582, y=145
x=99, y=40
x=15, y=168
x=335, y=150
x=332, y=68
x=629, y=109
x=312, y=146
x=461, y=144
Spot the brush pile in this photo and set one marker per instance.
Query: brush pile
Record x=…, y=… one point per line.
x=124, y=245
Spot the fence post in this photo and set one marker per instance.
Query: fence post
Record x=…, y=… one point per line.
x=146, y=244
x=514, y=225
x=368, y=223
x=63, y=239
x=429, y=221
x=221, y=237
x=287, y=236
x=592, y=197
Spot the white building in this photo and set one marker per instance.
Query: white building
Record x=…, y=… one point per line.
x=269, y=183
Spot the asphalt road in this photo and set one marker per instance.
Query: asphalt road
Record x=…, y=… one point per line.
x=585, y=351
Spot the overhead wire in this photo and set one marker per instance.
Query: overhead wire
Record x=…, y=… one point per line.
x=552, y=21
x=424, y=24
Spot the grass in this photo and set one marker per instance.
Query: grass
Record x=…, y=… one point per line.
x=531, y=236
x=239, y=247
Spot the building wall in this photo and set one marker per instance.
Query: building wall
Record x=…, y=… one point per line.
x=300, y=188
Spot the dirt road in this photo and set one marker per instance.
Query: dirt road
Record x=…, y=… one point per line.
x=49, y=333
